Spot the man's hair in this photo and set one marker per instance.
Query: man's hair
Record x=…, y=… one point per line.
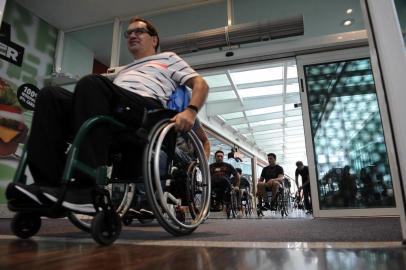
x=218, y=151
x=238, y=170
x=272, y=154
x=151, y=29
x=299, y=163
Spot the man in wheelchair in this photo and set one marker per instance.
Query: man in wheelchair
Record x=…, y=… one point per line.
x=221, y=173
x=271, y=179
x=143, y=85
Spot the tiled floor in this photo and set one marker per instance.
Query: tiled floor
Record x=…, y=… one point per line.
x=58, y=253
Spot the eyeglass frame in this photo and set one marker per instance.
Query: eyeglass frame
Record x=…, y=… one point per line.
x=137, y=31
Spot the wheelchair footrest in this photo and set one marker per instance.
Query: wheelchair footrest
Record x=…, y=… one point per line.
x=43, y=211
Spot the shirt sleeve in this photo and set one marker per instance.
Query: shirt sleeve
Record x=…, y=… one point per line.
x=281, y=170
x=180, y=70
x=263, y=173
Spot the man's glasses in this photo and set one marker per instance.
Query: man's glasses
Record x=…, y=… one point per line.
x=220, y=156
x=137, y=31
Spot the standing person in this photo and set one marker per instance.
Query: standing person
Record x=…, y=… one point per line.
x=303, y=171
x=221, y=173
x=271, y=178
x=145, y=83
x=348, y=187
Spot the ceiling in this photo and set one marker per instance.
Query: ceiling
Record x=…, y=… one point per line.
x=66, y=15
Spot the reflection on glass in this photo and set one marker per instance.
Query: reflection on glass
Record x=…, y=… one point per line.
x=401, y=10
x=350, y=152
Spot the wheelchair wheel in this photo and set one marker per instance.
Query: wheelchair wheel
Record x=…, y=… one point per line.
x=179, y=214
x=106, y=228
x=233, y=205
x=25, y=225
x=121, y=194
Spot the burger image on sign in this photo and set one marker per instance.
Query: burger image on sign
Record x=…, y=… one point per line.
x=12, y=127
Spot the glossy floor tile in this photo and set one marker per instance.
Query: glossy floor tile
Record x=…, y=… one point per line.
x=42, y=253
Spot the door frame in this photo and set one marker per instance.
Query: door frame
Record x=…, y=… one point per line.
x=340, y=55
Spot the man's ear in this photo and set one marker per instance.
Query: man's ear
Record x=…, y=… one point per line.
x=154, y=41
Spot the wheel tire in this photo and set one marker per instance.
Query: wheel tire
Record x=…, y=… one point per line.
x=105, y=232
x=150, y=187
x=25, y=225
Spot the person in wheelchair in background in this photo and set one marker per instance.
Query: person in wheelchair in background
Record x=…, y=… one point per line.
x=221, y=173
x=272, y=178
x=244, y=187
x=144, y=84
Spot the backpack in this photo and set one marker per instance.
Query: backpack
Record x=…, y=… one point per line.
x=179, y=99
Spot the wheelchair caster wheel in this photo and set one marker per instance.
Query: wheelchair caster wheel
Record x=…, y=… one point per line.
x=127, y=220
x=106, y=228
x=25, y=225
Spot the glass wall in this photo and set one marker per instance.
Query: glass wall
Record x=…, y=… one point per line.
x=352, y=166
x=88, y=51
x=401, y=10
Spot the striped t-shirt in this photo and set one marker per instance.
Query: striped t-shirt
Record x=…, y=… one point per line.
x=155, y=76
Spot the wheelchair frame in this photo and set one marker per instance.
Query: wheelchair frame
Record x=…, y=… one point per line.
x=282, y=203
x=105, y=225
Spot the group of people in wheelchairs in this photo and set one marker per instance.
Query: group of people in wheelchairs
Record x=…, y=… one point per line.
x=229, y=188
x=112, y=151
x=233, y=191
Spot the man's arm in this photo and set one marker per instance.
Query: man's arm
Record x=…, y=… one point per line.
x=201, y=134
x=184, y=120
x=297, y=178
x=279, y=179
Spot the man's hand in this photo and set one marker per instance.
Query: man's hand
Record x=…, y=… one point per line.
x=269, y=181
x=184, y=120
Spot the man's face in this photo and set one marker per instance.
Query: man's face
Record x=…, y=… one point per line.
x=219, y=157
x=139, y=42
x=271, y=160
x=300, y=167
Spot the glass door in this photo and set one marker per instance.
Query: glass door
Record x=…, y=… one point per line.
x=350, y=168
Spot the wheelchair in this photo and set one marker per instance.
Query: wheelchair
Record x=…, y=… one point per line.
x=246, y=203
x=179, y=203
x=230, y=202
x=283, y=200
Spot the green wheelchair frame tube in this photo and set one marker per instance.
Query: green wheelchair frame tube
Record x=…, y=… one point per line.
x=72, y=162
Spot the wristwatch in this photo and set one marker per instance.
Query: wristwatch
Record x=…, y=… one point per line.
x=193, y=108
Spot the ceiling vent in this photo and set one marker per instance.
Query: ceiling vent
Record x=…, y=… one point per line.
x=234, y=35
